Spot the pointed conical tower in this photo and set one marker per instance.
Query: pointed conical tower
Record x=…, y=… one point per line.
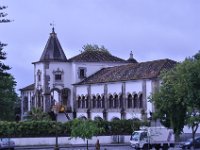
x=49, y=76
x=53, y=50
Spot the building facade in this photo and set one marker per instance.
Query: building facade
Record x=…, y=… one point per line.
x=93, y=84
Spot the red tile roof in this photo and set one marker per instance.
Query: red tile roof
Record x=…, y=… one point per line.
x=29, y=87
x=134, y=71
x=95, y=56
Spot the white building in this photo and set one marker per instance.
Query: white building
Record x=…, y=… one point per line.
x=93, y=84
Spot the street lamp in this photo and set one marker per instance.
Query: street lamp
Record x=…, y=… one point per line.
x=56, y=110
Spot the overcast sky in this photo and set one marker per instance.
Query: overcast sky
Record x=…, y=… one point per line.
x=152, y=29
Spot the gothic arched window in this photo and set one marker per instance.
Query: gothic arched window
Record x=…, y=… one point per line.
x=94, y=102
x=141, y=101
x=79, y=102
x=129, y=101
x=83, y=101
x=135, y=101
x=98, y=101
x=110, y=101
x=115, y=104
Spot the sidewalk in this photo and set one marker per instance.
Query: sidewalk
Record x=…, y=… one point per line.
x=69, y=146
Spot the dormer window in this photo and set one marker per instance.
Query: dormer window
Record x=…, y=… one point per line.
x=82, y=73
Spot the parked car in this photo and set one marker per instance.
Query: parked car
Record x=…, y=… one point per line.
x=7, y=143
x=189, y=143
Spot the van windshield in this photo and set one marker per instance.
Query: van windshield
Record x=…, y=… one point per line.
x=135, y=136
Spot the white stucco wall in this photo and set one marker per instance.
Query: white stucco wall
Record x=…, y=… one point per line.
x=81, y=90
x=91, y=68
x=112, y=115
x=97, y=89
x=67, y=140
x=114, y=88
x=66, y=76
x=134, y=86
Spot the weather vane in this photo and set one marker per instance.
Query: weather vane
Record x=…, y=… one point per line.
x=53, y=25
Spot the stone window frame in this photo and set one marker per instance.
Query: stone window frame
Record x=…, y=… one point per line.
x=56, y=73
x=39, y=73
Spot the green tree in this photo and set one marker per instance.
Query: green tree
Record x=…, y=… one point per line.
x=84, y=129
x=169, y=108
x=177, y=102
x=8, y=95
x=95, y=47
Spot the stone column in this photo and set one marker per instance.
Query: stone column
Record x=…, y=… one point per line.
x=106, y=96
x=105, y=113
x=124, y=95
x=89, y=96
x=144, y=97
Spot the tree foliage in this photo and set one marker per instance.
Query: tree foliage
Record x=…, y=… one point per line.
x=84, y=129
x=95, y=47
x=3, y=15
x=177, y=102
x=8, y=95
x=37, y=114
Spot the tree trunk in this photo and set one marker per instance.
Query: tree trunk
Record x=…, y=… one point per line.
x=87, y=144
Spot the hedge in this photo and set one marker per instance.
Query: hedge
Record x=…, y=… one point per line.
x=48, y=128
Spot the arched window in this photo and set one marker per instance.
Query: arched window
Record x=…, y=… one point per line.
x=135, y=101
x=83, y=118
x=98, y=118
x=115, y=119
x=94, y=102
x=110, y=101
x=115, y=101
x=129, y=101
x=141, y=101
x=98, y=101
x=83, y=101
x=79, y=102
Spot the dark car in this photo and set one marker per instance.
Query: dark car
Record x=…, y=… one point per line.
x=7, y=143
x=191, y=144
